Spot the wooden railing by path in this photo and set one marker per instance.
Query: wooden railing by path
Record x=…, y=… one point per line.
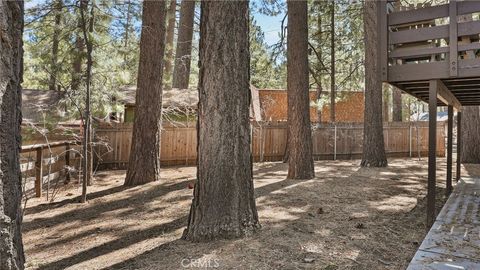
x=46, y=162
x=269, y=140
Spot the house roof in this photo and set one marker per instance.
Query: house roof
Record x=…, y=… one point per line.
x=174, y=98
x=36, y=102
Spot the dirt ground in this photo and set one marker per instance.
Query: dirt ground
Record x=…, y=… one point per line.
x=345, y=218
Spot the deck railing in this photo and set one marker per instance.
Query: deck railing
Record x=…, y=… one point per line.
x=429, y=42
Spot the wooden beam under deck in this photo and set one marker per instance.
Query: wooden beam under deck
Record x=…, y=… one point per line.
x=447, y=97
x=455, y=92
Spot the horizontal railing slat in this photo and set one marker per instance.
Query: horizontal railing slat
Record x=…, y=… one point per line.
x=415, y=15
x=413, y=52
x=468, y=7
x=419, y=34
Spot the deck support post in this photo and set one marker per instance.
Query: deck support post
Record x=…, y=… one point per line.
x=39, y=173
x=459, y=145
x=432, y=152
x=449, y=151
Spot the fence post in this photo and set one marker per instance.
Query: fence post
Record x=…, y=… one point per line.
x=186, y=145
x=335, y=143
x=251, y=141
x=410, y=139
x=39, y=172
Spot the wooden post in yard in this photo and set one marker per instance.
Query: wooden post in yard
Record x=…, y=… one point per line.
x=449, y=150
x=432, y=152
x=67, y=163
x=39, y=172
x=459, y=145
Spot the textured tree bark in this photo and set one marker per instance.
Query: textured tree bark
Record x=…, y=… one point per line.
x=397, y=105
x=127, y=26
x=332, y=63
x=373, y=144
x=223, y=206
x=300, y=162
x=181, y=72
x=52, y=85
x=144, y=163
x=87, y=28
x=11, y=74
x=78, y=54
x=470, y=135
x=171, y=15
x=319, y=67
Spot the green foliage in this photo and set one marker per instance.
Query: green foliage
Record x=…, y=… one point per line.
x=349, y=47
x=115, y=39
x=264, y=72
x=348, y=44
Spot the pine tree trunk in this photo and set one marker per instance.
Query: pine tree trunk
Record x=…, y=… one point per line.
x=319, y=65
x=127, y=26
x=78, y=54
x=171, y=15
x=11, y=28
x=397, y=105
x=52, y=85
x=224, y=205
x=300, y=162
x=373, y=144
x=144, y=163
x=332, y=63
x=181, y=72
x=87, y=30
x=471, y=135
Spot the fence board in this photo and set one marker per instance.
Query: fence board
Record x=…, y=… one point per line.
x=269, y=142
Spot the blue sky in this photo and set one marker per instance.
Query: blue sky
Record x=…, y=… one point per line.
x=270, y=24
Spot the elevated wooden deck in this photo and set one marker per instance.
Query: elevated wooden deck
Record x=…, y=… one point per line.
x=424, y=43
x=454, y=239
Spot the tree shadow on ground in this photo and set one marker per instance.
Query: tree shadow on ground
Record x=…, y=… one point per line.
x=123, y=241
x=90, y=196
x=93, y=211
x=134, y=203
x=349, y=219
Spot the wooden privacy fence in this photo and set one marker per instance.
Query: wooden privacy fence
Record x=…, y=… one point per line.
x=47, y=163
x=269, y=140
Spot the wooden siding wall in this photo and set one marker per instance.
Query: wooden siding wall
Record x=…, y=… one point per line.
x=178, y=146
x=350, y=107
